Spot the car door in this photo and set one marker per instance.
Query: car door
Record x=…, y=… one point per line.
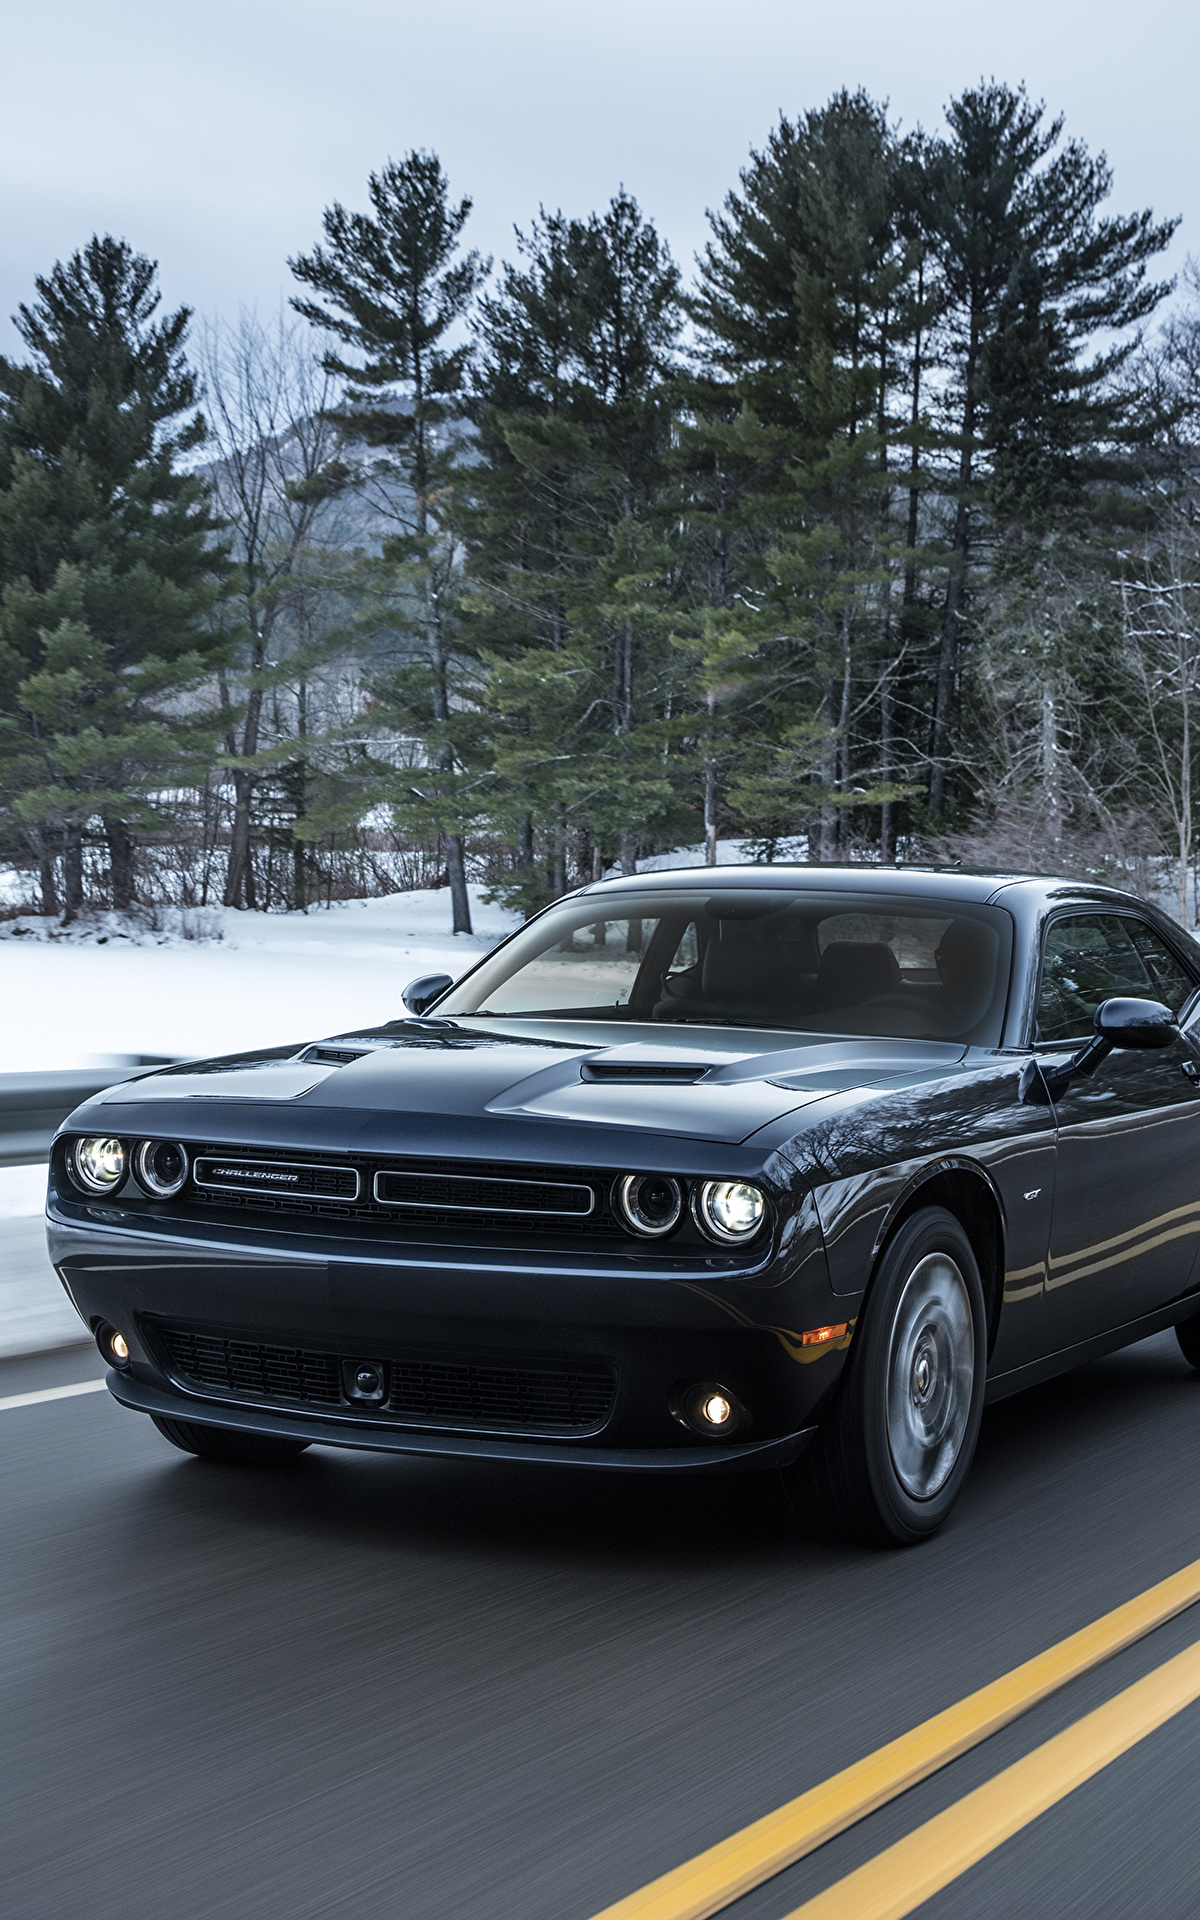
x=1126, y=1215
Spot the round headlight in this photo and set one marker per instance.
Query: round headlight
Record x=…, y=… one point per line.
x=161, y=1167
x=99, y=1165
x=729, y=1210
x=649, y=1203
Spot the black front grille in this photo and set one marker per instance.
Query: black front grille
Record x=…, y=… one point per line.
x=450, y=1196
x=438, y=1202
x=479, y=1396
x=521, y=1396
x=466, y=1193
x=292, y=1374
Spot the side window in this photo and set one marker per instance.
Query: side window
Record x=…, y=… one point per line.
x=1088, y=958
x=1172, y=983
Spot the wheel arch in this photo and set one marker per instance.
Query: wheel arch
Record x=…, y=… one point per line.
x=965, y=1190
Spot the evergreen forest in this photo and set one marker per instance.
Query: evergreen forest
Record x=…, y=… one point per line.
x=871, y=536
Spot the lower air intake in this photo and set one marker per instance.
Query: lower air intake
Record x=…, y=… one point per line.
x=467, y=1395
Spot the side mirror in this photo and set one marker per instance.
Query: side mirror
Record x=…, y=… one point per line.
x=1136, y=1026
x=420, y=994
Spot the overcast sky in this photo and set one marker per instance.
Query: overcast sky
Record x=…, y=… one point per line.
x=212, y=137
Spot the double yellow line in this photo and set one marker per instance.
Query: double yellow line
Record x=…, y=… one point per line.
x=903, y=1876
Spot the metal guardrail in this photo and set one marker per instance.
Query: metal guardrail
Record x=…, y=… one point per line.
x=33, y=1104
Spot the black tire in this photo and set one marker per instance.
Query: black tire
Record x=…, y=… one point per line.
x=1188, y=1335
x=891, y=1456
x=228, y=1448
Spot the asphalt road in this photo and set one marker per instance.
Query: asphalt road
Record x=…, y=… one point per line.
x=432, y=1691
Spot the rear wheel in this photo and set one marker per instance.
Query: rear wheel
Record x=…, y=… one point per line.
x=891, y=1457
x=1188, y=1335
x=230, y=1449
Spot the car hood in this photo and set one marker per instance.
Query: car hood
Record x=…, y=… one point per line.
x=708, y=1084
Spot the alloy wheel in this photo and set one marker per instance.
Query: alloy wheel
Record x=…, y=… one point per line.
x=930, y=1375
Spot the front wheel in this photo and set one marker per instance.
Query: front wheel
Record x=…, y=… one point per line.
x=228, y=1448
x=891, y=1457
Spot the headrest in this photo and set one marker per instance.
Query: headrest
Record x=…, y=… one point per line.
x=741, y=967
x=851, y=971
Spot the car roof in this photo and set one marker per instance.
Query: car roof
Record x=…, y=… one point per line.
x=926, y=883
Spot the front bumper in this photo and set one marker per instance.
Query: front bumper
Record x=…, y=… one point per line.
x=365, y=1436
x=658, y=1333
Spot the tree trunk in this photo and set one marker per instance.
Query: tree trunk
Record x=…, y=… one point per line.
x=710, y=794
x=456, y=868
x=72, y=873
x=239, y=877
x=1050, y=769
x=1185, y=794
x=827, y=844
x=914, y=465
x=299, y=802
x=956, y=587
x=46, y=886
x=887, y=812
x=559, y=877
x=120, y=861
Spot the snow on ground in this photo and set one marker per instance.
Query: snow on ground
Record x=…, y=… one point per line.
x=211, y=980
x=217, y=981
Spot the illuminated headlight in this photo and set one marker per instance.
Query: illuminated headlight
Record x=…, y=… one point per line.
x=649, y=1203
x=729, y=1211
x=99, y=1165
x=161, y=1167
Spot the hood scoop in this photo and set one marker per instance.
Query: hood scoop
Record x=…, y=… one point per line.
x=645, y=1072
x=335, y=1056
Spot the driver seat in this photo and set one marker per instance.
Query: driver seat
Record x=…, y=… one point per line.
x=851, y=971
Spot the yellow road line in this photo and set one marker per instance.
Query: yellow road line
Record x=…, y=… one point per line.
x=705, y=1884
x=924, y=1862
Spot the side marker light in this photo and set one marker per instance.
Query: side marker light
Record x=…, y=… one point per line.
x=817, y=1336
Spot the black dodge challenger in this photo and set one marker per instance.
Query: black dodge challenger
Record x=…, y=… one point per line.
x=716, y=1169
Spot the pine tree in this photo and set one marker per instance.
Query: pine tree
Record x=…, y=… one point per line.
x=805, y=307
x=1031, y=274
x=392, y=286
x=109, y=565
x=575, y=581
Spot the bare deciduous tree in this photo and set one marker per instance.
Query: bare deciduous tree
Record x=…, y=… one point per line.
x=267, y=402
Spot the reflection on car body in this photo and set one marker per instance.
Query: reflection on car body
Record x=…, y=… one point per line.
x=709, y=1170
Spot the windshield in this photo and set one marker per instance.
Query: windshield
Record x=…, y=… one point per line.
x=807, y=961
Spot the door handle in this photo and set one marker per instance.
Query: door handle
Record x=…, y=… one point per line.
x=1190, y=1069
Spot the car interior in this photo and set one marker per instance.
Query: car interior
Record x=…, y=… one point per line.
x=877, y=968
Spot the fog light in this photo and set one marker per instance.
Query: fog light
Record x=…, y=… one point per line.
x=98, y=1164
x=729, y=1211
x=714, y=1408
x=708, y=1408
x=113, y=1345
